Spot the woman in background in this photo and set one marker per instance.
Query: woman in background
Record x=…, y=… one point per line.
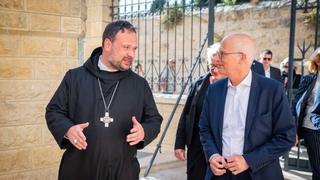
x=306, y=95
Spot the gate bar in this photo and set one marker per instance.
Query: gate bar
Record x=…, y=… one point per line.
x=175, y=106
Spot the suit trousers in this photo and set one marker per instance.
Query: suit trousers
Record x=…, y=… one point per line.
x=312, y=141
x=245, y=175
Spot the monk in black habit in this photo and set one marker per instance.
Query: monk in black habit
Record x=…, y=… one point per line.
x=102, y=112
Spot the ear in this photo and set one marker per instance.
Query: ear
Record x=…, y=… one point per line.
x=107, y=44
x=243, y=58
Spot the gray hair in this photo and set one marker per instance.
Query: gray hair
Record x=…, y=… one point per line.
x=211, y=51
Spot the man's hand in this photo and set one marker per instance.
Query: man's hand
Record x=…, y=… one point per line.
x=237, y=164
x=137, y=133
x=76, y=136
x=217, y=165
x=180, y=154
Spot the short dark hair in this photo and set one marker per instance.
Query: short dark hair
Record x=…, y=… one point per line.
x=113, y=28
x=266, y=51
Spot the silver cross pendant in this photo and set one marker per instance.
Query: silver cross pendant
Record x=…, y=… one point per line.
x=106, y=119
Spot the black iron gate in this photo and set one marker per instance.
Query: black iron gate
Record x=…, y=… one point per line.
x=166, y=30
x=297, y=158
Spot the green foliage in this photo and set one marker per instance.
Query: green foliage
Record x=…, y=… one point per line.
x=229, y=2
x=310, y=17
x=218, y=38
x=172, y=17
x=310, y=20
x=200, y=2
x=157, y=5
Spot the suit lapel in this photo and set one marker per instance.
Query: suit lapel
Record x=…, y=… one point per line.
x=221, y=103
x=271, y=72
x=252, y=104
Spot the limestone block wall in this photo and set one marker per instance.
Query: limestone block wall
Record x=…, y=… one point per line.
x=38, y=44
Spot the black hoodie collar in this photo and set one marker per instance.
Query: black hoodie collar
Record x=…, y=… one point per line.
x=92, y=66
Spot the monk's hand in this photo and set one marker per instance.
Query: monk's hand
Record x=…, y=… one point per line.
x=136, y=133
x=237, y=164
x=180, y=154
x=76, y=136
x=217, y=165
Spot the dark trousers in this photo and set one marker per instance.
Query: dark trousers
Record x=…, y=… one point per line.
x=196, y=160
x=312, y=141
x=228, y=175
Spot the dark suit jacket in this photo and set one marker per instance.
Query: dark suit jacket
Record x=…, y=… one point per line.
x=275, y=73
x=186, y=126
x=257, y=67
x=269, y=133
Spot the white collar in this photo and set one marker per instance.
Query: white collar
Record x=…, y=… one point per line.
x=103, y=67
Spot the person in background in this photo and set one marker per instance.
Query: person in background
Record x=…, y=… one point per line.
x=257, y=67
x=188, y=129
x=138, y=70
x=270, y=71
x=102, y=112
x=284, y=67
x=301, y=109
x=168, y=76
x=313, y=146
x=245, y=124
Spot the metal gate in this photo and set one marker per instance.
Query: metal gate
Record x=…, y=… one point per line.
x=297, y=158
x=166, y=30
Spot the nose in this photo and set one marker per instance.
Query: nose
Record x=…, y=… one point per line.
x=131, y=53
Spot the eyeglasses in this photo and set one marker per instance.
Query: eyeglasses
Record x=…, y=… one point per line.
x=212, y=66
x=221, y=54
x=269, y=59
x=285, y=67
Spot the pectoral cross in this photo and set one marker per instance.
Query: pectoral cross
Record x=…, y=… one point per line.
x=106, y=119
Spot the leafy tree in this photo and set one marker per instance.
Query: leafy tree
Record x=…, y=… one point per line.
x=157, y=5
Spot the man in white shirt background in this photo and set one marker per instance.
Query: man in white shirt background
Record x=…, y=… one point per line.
x=270, y=71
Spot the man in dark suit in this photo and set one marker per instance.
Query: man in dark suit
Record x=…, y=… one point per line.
x=245, y=125
x=257, y=67
x=188, y=129
x=270, y=71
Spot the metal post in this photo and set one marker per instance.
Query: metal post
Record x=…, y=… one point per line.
x=291, y=52
x=211, y=23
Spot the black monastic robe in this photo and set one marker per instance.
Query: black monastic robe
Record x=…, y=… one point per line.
x=78, y=100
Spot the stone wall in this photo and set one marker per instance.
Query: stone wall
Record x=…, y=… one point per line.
x=38, y=44
x=268, y=23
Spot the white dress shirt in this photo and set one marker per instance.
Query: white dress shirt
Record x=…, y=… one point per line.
x=267, y=72
x=234, y=119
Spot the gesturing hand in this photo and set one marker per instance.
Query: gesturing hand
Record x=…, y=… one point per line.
x=76, y=136
x=136, y=133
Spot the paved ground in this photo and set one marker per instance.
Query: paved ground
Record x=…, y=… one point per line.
x=166, y=167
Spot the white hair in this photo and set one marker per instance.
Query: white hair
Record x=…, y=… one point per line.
x=285, y=61
x=211, y=51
